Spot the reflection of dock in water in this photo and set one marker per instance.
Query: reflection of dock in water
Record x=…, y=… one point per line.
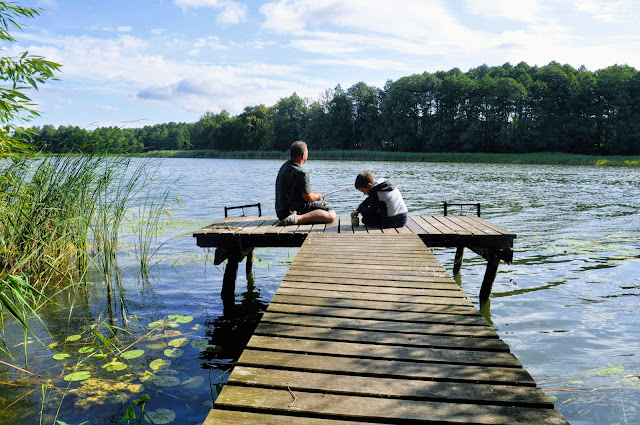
x=368, y=327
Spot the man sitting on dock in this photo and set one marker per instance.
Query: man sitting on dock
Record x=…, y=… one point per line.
x=295, y=203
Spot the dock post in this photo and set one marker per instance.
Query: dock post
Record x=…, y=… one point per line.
x=489, y=277
x=231, y=271
x=249, y=269
x=457, y=262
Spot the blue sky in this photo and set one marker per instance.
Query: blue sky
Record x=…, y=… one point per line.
x=142, y=62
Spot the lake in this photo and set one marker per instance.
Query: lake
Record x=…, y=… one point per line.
x=568, y=306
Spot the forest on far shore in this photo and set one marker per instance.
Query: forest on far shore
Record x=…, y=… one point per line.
x=499, y=109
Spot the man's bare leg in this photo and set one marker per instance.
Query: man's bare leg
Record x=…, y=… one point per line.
x=316, y=217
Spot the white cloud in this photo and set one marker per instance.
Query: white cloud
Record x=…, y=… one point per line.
x=521, y=10
x=607, y=11
x=407, y=25
x=233, y=12
x=107, y=108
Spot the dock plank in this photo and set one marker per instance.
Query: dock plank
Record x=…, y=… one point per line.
x=376, y=408
x=393, y=387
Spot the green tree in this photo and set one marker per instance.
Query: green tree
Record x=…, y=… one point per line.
x=367, y=125
x=340, y=120
x=289, y=116
x=258, y=127
x=613, y=93
x=18, y=74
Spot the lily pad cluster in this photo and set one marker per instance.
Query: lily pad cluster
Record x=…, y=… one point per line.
x=89, y=356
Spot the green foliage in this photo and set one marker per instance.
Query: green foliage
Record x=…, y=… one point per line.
x=130, y=414
x=18, y=74
x=501, y=109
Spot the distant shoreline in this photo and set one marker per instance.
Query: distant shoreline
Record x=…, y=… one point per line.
x=479, y=158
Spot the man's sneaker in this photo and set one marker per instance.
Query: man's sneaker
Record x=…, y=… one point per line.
x=288, y=220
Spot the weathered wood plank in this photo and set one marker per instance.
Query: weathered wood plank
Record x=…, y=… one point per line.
x=374, y=305
x=397, y=388
x=332, y=228
x=341, y=333
x=221, y=416
x=493, y=226
x=370, y=289
x=381, y=325
x=351, y=274
x=388, y=368
x=345, y=224
x=375, y=297
x=376, y=408
x=308, y=262
x=433, y=283
x=473, y=319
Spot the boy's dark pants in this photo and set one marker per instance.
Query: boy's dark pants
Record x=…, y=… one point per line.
x=372, y=218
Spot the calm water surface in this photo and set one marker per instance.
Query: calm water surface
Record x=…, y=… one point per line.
x=568, y=306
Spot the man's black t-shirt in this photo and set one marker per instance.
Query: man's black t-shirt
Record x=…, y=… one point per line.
x=291, y=182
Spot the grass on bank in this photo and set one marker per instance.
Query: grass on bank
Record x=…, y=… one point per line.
x=480, y=158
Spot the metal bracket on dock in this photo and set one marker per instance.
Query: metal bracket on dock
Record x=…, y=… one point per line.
x=226, y=209
x=448, y=204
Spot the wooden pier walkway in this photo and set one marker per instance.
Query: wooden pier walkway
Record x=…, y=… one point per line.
x=235, y=238
x=369, y=328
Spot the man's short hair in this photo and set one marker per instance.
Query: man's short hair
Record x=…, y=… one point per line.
x=298, y=149
x=363, y=179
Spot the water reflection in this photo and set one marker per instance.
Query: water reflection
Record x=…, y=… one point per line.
x=233, y=328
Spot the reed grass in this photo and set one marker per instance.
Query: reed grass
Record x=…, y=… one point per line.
x=60, y=216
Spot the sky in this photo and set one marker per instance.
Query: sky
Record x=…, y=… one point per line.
x=131, y=63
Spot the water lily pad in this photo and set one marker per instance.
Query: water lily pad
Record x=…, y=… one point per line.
x=157, y=345
x=179, y=342
x=85, y=350
x=61, y=356
x=114, y=366
x=214, y=348
x=166, y=381
x=196, y=327
x=159, y=364
x=199, y=343
x=53, y=345
x=184, y=319
x=173, y=352
x=132, y=354
x=72, y=338
x=609, y=370
x=100, y=355
x=163, y=323
x=147, y=376
x=160, y=416
x=167, y=333
x=194, y=382
x=78, y=376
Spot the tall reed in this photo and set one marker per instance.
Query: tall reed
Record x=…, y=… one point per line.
x=59, y=217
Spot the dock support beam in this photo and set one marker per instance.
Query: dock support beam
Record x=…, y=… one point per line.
x=234, y=253
x=457, y=262
x=489, y=277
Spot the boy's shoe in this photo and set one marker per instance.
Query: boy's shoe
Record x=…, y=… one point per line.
x=288, y=220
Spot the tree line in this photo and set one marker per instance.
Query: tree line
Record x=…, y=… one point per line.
x=501, y=109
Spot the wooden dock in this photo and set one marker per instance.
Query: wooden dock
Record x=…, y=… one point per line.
x=235, y=237
x=367, y=327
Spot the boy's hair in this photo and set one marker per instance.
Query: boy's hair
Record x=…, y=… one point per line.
x=363, y=179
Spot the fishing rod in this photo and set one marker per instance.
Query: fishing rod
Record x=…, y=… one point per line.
x=334, y=191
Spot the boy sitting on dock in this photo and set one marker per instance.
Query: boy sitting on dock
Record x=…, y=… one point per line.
x=384, y=206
